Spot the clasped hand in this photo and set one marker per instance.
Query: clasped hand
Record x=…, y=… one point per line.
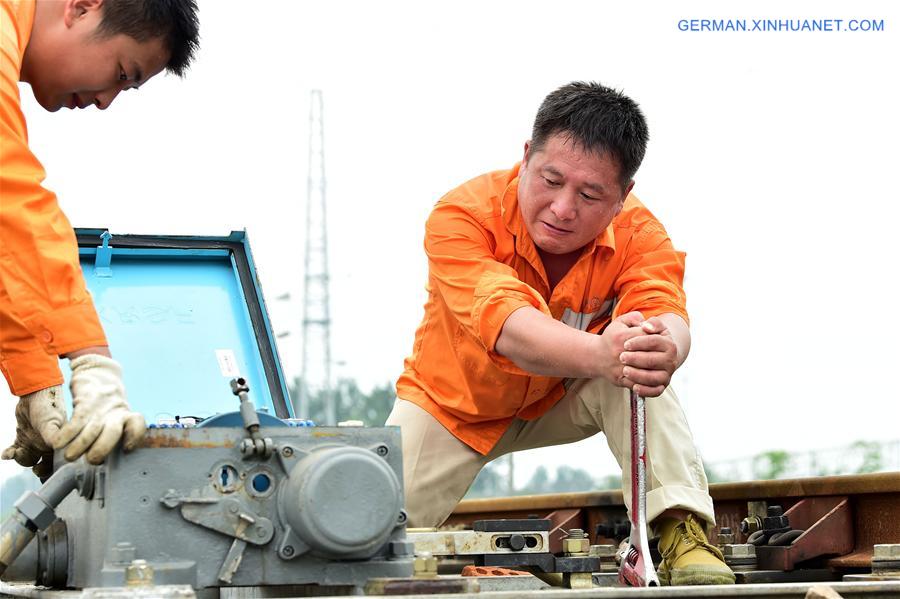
x=640, y=354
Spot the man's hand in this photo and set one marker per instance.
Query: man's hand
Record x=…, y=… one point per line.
x=101, y=415
x=39, y=416
x=613, y=341
x=649, y=360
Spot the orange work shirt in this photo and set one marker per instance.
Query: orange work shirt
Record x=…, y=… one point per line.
x=482, y=265
x=45, y=308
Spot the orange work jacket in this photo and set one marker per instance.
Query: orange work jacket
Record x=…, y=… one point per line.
x=482, y=265
x=45, y=308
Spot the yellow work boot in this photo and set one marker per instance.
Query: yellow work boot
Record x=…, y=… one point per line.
x=687, y=557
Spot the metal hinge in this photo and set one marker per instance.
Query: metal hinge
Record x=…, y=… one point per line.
x=104, y=257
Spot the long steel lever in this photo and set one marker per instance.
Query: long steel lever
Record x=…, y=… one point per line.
x=637, y=567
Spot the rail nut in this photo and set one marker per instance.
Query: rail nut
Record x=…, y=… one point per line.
x=726, y=537
x=578, y=580
x=425, y=565
x=775, y=519
x=602, y=551
x=887, y=552
x=138, y=574
x=36, y=510
x=742, y=550
x=740, y=558
x=750, y=525
x=886, y=559
x=607, y=555
x=575, y=546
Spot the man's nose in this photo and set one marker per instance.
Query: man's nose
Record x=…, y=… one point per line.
x=104, y=99
x=563, y=206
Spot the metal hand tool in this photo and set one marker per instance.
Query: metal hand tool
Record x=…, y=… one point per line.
x=637, y=567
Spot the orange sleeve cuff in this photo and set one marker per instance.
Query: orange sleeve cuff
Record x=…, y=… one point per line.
x=30, y=371
x=68, y=329
x=652, y=298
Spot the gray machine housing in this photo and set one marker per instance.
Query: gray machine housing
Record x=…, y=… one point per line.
x=319, y=506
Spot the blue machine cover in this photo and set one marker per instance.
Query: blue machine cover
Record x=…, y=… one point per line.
x=183, y=316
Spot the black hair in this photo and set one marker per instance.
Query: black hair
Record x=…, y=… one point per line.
x=598, y=118
x=175, y=21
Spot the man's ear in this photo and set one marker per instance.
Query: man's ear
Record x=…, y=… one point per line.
x=527, y=152
x=625, y=193
x=77, y=9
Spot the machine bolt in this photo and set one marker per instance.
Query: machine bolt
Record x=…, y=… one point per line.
x=401, y=517
x=138, y=574
x=887, y=552
x=381, y=450
x=750, y=525
x=516, y=542
x=425, y=565
x=287, y=551
x=287, y=451
x=742, y=550
x=740, y=558
x=247, y=447
x=233, y=508
x=607, y=555
x=601, y=551
x=726, y=537
x=578, y=580
x=775, y=521
x=577, y=543
x=886, y=559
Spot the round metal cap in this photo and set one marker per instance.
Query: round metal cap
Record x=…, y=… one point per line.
x=342, y=501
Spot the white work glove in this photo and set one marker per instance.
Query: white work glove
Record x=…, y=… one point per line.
x=100, y=413
x=39, y=416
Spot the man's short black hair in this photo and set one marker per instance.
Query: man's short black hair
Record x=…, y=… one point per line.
x=598, y=118
x=173, y=20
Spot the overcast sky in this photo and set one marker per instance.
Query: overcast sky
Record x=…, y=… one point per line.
x=772, y=163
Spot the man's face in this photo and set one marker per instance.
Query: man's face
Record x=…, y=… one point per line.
x=567, y=195
x=70, y=66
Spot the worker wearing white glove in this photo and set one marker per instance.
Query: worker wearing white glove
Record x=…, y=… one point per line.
x=100, y=417
x=39, y=416
x=100, y=413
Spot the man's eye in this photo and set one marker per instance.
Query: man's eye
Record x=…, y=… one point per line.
x=123, y=76
x=551, y=183
x=587, y=197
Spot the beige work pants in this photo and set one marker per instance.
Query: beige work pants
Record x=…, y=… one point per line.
x=438, y=468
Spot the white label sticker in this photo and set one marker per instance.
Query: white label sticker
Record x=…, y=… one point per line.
x=227, y=363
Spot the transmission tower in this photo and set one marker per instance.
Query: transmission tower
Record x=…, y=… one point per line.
x=316, y=369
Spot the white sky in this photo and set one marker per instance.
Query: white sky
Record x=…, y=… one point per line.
x=772, y=163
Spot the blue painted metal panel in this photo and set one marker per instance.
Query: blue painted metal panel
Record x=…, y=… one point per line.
x=168, y=315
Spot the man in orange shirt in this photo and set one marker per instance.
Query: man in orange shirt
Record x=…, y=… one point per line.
x=552, y=291
x=73, y=53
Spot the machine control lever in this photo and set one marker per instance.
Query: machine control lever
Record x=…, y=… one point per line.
x=256, y=444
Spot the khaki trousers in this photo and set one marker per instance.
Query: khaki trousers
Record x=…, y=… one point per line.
x=438, y=468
